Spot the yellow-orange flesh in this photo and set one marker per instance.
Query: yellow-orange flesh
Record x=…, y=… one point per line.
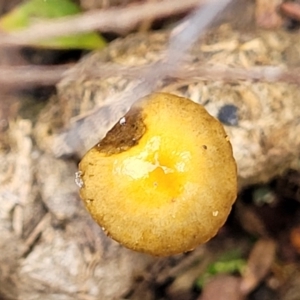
x=163, y=180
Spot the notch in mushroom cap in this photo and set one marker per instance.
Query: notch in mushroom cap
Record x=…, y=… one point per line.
x=163, y=179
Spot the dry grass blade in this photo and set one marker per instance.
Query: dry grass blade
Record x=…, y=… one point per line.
x=222, y=287
x=291, y=9
x=113, y=19
x=26, y=76
x=200, y=71
x=259, y=263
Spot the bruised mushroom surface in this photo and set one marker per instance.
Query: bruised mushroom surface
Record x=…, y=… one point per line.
x=163, y=179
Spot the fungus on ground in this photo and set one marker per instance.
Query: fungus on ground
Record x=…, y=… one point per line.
x=163, y=179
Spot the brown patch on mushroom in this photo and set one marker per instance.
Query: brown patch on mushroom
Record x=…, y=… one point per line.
x=124, y=135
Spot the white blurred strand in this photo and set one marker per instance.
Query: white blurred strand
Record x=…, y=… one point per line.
x=193, y=27
x=182, y=39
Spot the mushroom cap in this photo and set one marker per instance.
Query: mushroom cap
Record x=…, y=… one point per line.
x=163, y=179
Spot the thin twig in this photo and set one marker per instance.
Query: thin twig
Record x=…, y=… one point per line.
x=113, y=20
x=26, y=76
x=229, y=74
x=291, y=9
x=39, y=228
x=198, y=71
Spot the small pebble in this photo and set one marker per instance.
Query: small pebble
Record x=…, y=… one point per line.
x=228, y=115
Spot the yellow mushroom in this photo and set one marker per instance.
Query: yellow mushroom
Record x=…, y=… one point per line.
x=163, y=179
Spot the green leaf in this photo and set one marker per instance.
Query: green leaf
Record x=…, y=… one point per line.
x=34, y=11
x=228, y=263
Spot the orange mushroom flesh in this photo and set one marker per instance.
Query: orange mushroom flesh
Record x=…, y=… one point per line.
x=163, y=179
